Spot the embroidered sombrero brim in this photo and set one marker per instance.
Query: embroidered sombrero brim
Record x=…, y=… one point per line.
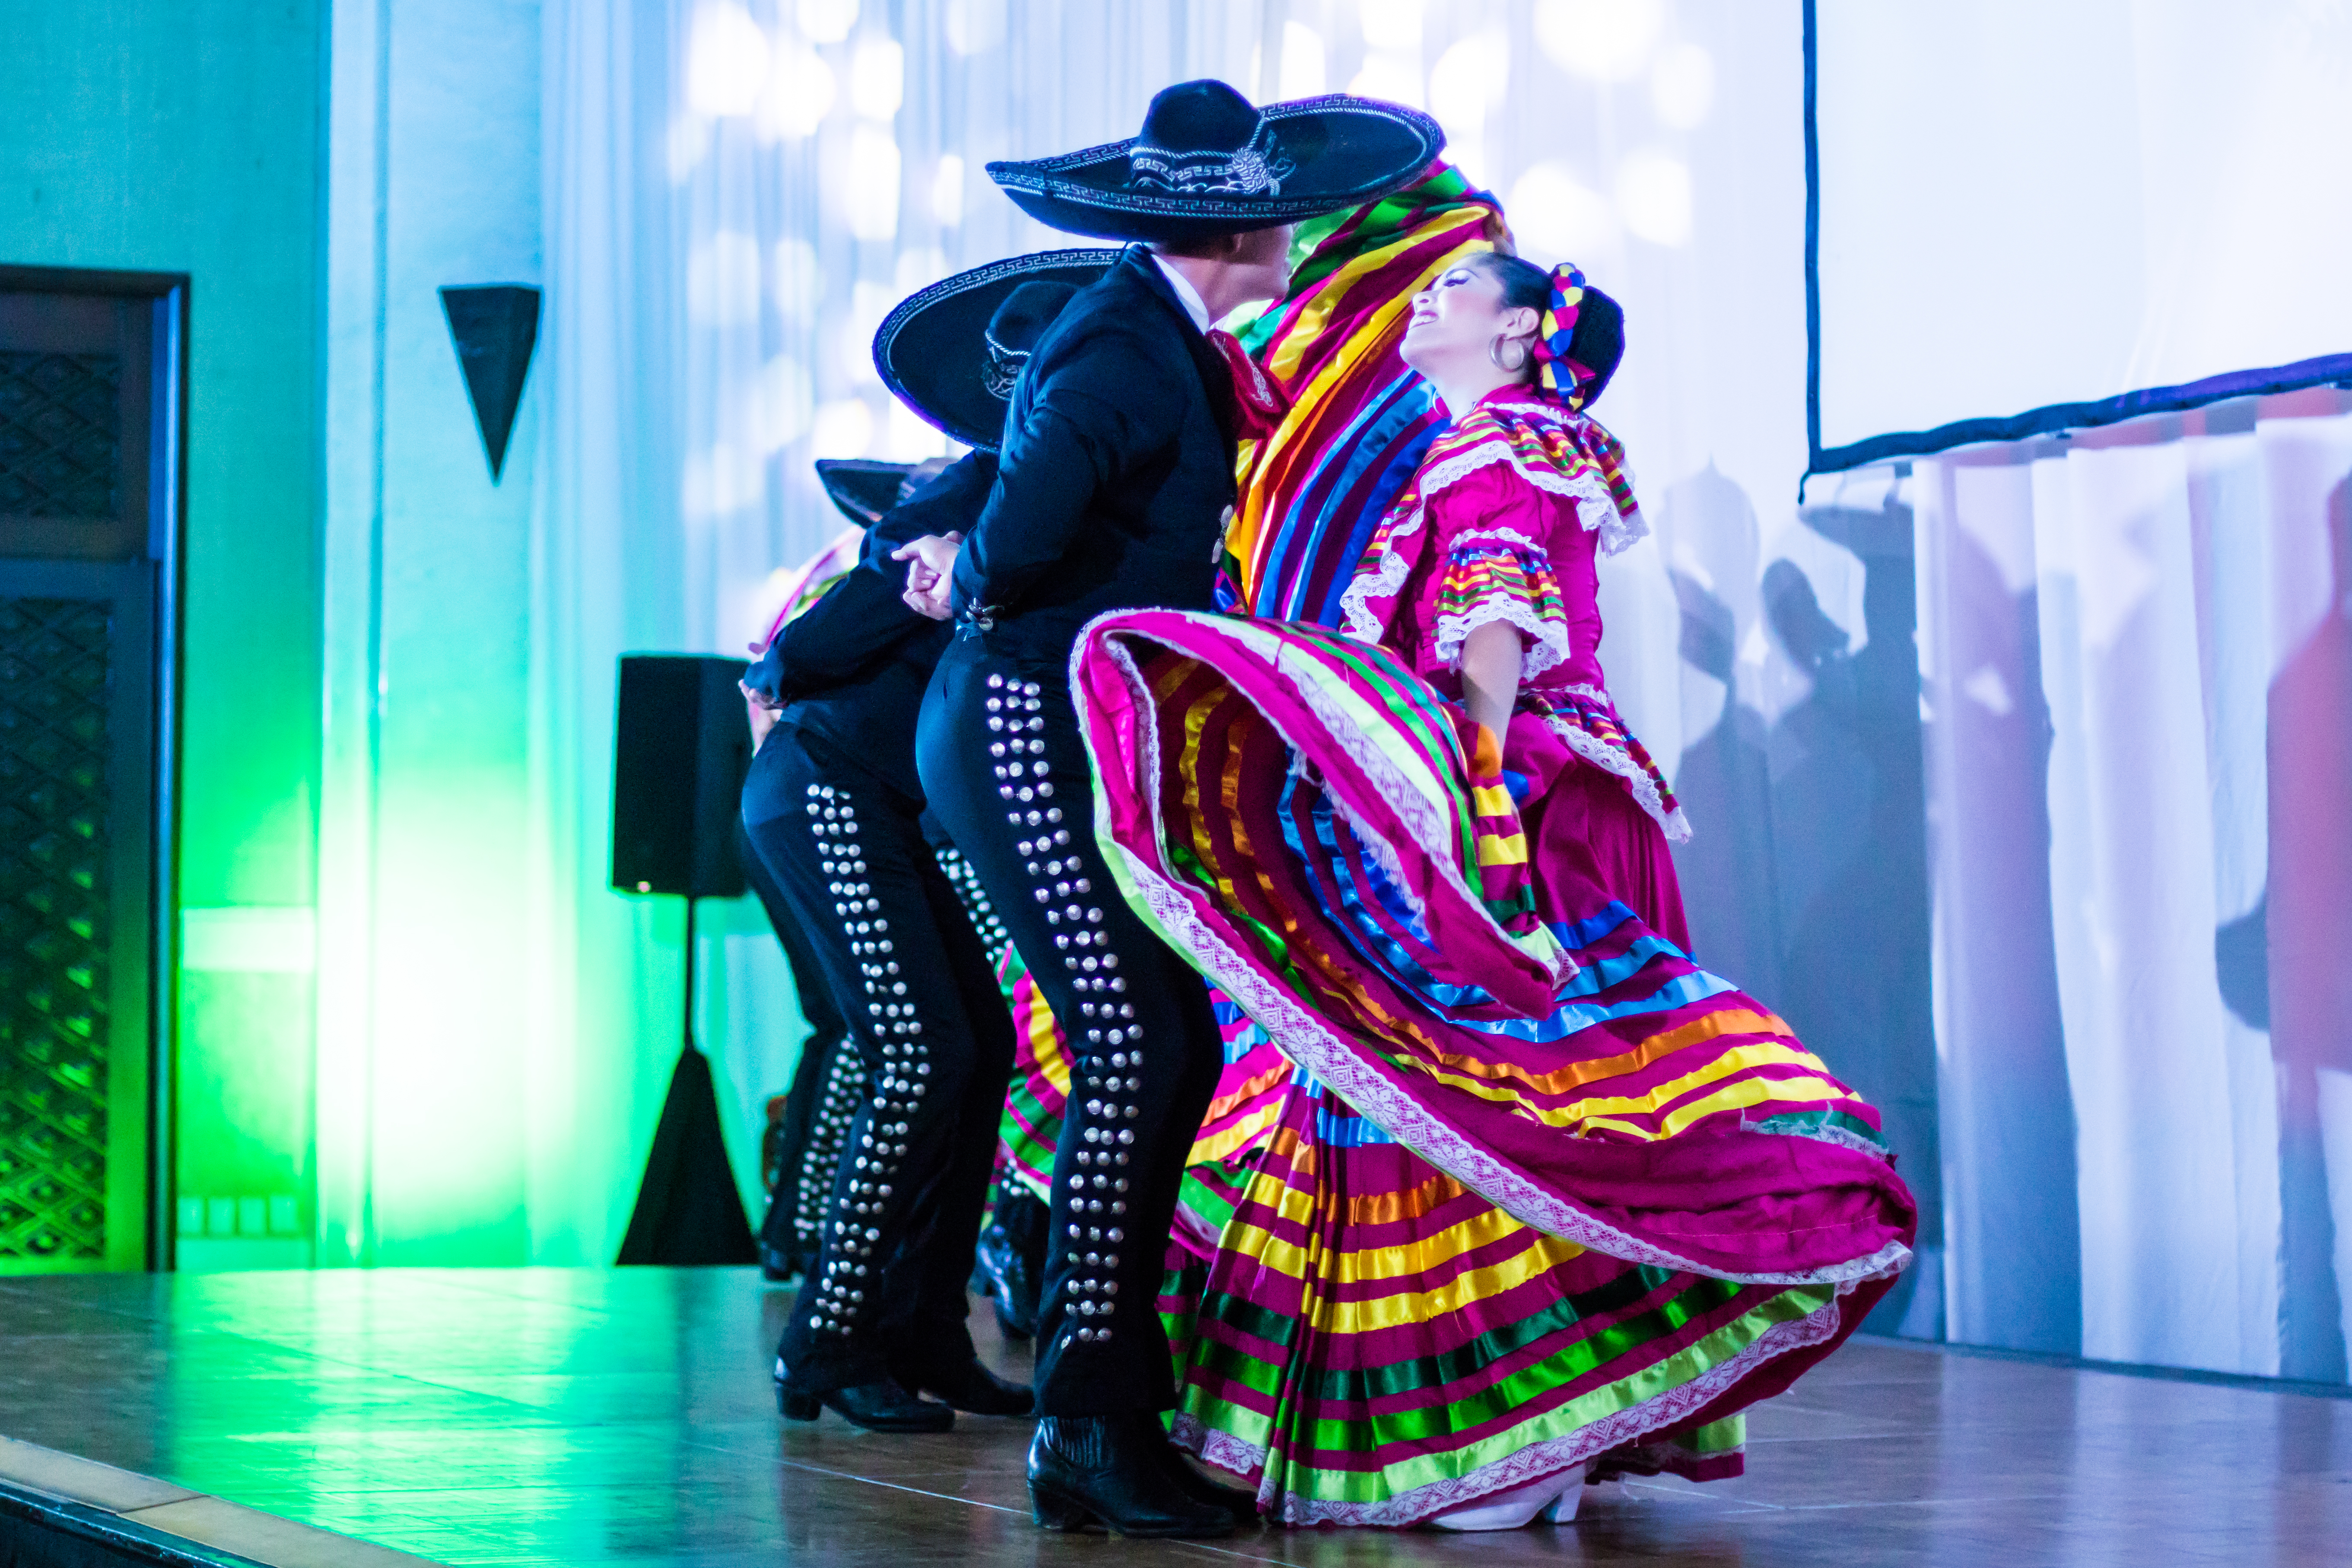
x=1341, y=150
x=933, y=351
x=862, y=488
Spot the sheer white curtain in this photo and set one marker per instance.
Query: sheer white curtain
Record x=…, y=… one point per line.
x=734, y=196
x=2138, y=669
x=605, y=567
x=737, y=189
x=822, y=159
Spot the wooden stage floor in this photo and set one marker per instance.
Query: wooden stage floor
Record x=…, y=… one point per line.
x=588, y=1417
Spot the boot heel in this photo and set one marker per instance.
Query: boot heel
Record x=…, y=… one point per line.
x=797, y=1406
x=1053, y=1512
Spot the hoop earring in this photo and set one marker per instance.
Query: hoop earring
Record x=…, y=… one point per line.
x=1495, y=354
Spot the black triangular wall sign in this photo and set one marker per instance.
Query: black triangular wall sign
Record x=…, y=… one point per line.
x=495, y=326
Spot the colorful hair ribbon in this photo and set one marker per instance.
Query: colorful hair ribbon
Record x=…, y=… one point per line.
x=1561, y=377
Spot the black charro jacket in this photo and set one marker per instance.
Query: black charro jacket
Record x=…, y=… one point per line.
x=850, y=670
x=1116, y=471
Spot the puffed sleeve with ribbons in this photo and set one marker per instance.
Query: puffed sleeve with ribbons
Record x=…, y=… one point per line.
x=1490, y=533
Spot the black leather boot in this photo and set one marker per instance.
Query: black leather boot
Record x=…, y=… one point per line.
x=1112, y=1470
x=883, y=1406
x=1200, y=1488
x=998, y=1263
x=969, y=1386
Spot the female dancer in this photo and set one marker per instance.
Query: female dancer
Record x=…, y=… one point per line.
x=1541, y=1199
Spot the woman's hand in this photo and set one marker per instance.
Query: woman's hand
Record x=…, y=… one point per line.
x=930, y=571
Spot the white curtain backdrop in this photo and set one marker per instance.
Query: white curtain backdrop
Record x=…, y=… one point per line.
x=1937, y=123
x=2138, y=679
x=737, y=189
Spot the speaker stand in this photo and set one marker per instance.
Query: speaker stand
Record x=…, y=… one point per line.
x=689, y=1211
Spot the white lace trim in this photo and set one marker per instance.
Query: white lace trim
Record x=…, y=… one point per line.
x=1311, y=1041
x=1595, y=509
x=1537, y=1461
x=1203, y=934
x=1384, y=580
x=1222, y=1449
x=1547, y=643
x=1428, y=822
x=1618, y=531
x=1838, y=1135
x=1621, y=532
x=1581, y=487
x=1486, y=531
x=1609, y=760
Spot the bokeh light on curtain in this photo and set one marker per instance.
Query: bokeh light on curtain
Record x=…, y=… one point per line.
x=825, y=157
x=740, y=189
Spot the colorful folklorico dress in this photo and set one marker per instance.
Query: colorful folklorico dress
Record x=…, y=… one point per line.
x=1506, y=1184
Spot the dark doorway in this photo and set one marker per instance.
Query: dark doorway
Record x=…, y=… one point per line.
x=92, y=399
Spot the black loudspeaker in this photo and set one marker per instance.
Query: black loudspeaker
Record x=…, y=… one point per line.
x=679, y=755
x=682, y=746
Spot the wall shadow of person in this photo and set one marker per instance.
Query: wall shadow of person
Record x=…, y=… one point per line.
x=2307, y=931
x=1850, y=857
x=1723, y=781
x=2014, y=1240
x=1806, y=874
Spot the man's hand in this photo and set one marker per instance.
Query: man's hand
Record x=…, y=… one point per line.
x=762, y=717
x=930, y=571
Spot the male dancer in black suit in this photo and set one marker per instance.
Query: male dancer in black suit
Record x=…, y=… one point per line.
x=834, y=809
x=799, y=1151
x=1114, y=481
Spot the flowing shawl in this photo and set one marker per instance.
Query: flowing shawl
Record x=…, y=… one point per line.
x=1358, y=419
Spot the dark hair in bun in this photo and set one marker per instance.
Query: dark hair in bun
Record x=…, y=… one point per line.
x=1526, y=285
x=1595, y=346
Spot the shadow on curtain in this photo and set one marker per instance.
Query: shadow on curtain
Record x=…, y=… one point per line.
x=1806, y=877
x=2138, y=681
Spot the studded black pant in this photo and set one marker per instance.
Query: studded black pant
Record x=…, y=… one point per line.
x=886, y=1295
x=1005, y=771
x=825, y=1083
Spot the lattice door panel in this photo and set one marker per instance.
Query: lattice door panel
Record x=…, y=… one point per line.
x=57, y=688
x=92, y=399
x=60, y=434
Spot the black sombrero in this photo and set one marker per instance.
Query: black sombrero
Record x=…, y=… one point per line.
x=951, y=352
x=862, y=488
x=1207, y=164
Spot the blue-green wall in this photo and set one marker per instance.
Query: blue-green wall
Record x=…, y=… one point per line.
x=186, y=136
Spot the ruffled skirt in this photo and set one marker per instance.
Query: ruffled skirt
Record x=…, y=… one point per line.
x=1507, y=1183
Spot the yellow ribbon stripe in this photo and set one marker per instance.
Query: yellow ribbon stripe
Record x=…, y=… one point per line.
x=1723, y=1021
x=1746, y=1092
x=1493, y=800
x=1594, y=1110
x=1496, y=850
x=1543, y=1254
